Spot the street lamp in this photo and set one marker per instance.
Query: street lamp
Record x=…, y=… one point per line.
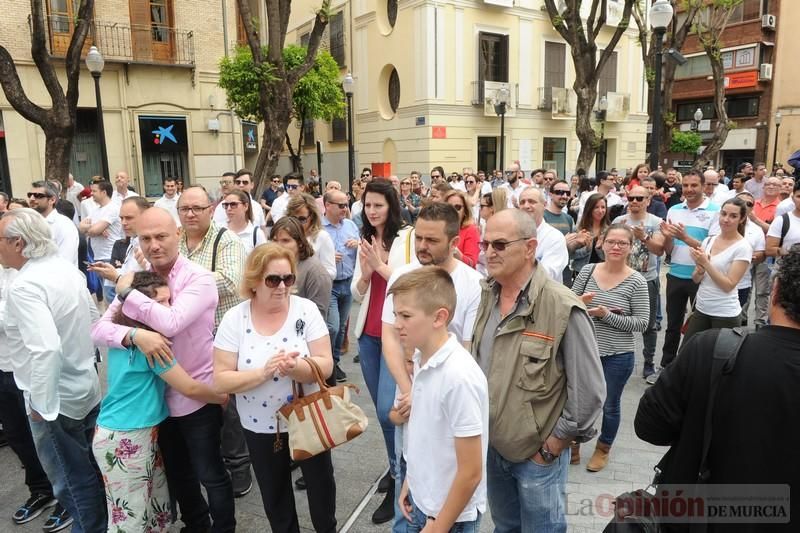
x=778, y=119
x=501, y=98
x=349, y=84
x=660, y=15
x=698, y=116
x=95, y=64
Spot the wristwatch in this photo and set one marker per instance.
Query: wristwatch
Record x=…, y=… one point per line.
x=546, y=455
x=124, y=293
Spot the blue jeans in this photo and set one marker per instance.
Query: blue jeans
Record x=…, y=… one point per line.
x=338, y=311
x=400, y=524
x=527, y=496
x=381, y=386
x=419, y=519
x=190, y=445
x=65, y=451
x=617, y=369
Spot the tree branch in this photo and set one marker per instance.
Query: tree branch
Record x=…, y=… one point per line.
x=15, y=94
x=253, y=39
x=320, y=22
x=73, y=58
x=41, y=56
x=621, y=27
x=276, y=36
x=590, y=25
x=557, y=20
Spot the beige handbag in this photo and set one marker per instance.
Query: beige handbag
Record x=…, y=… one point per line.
x=321, y=420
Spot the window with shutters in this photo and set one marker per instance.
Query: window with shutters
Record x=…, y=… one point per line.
x=61, y=18
x=339, y=130
x=337, y=48
x=608, y=77
x=492, y=59
x=555, y=70
x=152, y=30
x=308, y=133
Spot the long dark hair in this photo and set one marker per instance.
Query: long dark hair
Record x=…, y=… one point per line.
x=294, y=229
x=587, y=222
x=738, y=202
x=147, y=283
x=394, y=220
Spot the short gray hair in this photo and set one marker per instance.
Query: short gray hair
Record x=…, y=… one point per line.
x=49, y=188
x=33, y=229
x=526, y=225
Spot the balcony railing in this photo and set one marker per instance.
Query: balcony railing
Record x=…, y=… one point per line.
x=128, y=43
x=545, y=98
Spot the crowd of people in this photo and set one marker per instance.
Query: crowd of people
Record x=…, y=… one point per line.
x=495, y=332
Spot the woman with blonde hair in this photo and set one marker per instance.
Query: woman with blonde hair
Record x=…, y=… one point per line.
x=261, y=346
x=469, y=235
x=303, y=207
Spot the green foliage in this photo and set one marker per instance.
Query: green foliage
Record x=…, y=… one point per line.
x=685, y=142
x=317, y=95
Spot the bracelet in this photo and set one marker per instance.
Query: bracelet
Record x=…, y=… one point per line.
x=131, y=335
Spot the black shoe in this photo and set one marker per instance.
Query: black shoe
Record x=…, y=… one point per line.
x=385, y=511
x=32, y=508
x=339, y=374
x=300, y=484
x=658, y=326
x=356, y=359
x=242, y=482
x=58, y=520
x=648, y=370
x=385, y=483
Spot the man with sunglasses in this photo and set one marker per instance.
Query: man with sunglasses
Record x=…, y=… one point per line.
x=648, y=245
x=293, y=185
x=557, y=217
x=43, y=199
x=271, y=193
x=244, y=182
x=535, y=342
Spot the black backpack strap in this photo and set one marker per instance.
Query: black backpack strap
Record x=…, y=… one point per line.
x=726, y=349
x=255, y=230
x=586, y=281
x=785, y=224
x=216, y=247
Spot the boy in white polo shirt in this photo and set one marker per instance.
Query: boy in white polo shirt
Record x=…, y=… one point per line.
x=448, y=429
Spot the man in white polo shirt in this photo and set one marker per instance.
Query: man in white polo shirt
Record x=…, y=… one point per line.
x=43, y=198
x=169, y=202
x=121, y=191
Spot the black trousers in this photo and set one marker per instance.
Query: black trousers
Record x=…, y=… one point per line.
x=274, y=476
x=679, y=292
x=18, y=434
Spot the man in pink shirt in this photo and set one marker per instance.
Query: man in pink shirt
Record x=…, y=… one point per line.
x=190, y=438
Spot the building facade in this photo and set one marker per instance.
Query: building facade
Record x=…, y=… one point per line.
x=427, y=75
x=749, y=57
x=784, y=135
x=164, y=114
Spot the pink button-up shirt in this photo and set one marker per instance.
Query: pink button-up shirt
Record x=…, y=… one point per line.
x=189, y=324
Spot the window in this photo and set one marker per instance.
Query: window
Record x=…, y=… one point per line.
x=554, y=69
x=61, y=18
x=686, y=111
x=337, y=47
x=742, y=107
x=394, y=90
x=339, y=130
x=152, y=32
x=745, y=11
x=308, y=132
x=554, y=154
x=304, y=39
x=608, y=77
x=492, y=57
x=391, y=12
x=165, y=150
x=696, y=66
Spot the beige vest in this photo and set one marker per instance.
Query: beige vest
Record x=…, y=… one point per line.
x=527, y=389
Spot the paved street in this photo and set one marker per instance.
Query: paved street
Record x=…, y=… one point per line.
x=362, y=462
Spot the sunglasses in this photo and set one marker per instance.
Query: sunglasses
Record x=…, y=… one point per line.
x=560, y=193
x=498, y=246
x=636, y=198
x=470, y=182
x=37, y=195
x=242, y=182
x=230, y=205
x=274, y=280
x=292, y=186
x=340, y=206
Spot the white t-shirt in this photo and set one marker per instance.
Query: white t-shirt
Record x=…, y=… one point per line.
x=246, y=236
x=755, y=236
x=325, y=251
x=170, y=205
x=65, y=235
x=258, y=214
x=785, y=206
x=792, y=236
x=101, y=246
x=278, y=208
x=711, y=300
x=551, y=251
x=513, y=194
x=355, y=212
x=304, y=324
x=612, y=199
x=468, y=297
x=451, y=400
x=486, y=187
x=88, y=208
x=118, y=198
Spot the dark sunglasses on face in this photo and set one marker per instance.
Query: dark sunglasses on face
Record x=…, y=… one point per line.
x=292, y=186
x=274, y=280
x=242, y=182
x=37, y=195
x=498, y=246
x=636, y=198
x=340, y=206
x=470, y=182
x=230, y=205
x=560, y=193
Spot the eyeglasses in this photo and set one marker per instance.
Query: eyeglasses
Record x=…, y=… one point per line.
x=195, y=209
x=223, y=182
x=636, y=198
x=560, y=193
x=499, y=246
x=617, y=244
x=274, y=280
x=230, y=205
x=37, y=195
x=291, y=186
x=470, y=182
x=302, y=220
x=340, y=206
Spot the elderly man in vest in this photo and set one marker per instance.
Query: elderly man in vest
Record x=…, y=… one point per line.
x=535, y=343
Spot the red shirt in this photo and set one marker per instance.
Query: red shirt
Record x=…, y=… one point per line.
x=377, y=295
x=468, y=239
x=766, y=212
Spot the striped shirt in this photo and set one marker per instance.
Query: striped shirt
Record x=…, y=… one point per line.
x=700, y=222
x=229, y=268
x=614, y=332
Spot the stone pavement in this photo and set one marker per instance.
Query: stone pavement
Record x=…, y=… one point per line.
x=359, y=464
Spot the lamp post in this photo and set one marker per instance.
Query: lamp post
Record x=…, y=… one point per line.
x=95, y=64
x=778, y=119
x=660, y=15
x=349, y=84
x=698, y=117
x=501, y=99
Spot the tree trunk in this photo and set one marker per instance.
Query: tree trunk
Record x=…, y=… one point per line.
x=723, y=125
x=57, y=152
x=587, y=95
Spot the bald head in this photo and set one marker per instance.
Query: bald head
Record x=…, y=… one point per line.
x=158, y=238
x=531, y=200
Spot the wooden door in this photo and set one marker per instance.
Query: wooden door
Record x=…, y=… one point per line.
x=61, y=20
x=152, y=35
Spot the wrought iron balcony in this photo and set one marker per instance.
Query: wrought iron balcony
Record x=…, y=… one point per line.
x=127, y=43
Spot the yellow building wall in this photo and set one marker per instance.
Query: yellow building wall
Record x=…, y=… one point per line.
x=785, y=91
